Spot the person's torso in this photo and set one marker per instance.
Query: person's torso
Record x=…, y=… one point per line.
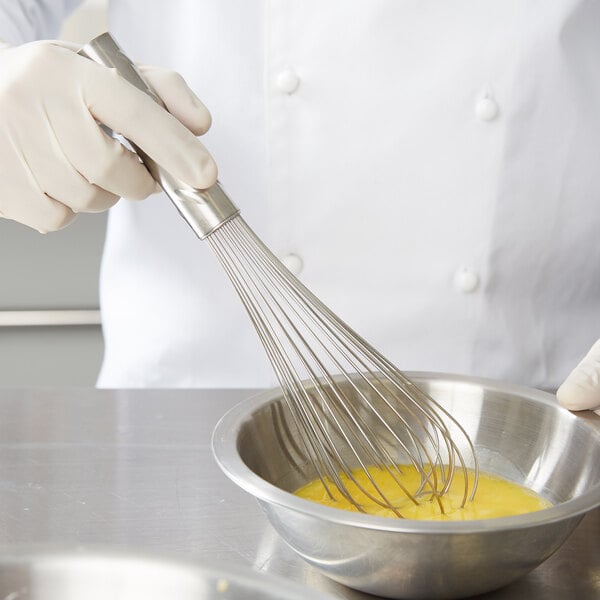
x=434, y=166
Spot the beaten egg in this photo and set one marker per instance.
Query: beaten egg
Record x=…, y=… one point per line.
x=495, y=496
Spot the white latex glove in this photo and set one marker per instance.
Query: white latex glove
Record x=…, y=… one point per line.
x=581, y=389
x=55, y=161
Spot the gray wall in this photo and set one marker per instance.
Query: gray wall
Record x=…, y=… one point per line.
x=53, y=272
x=56, y=271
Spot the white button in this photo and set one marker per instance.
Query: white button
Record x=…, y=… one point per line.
x=293, y=263
x=288, y=81
x=466, y=280
x=486, y=109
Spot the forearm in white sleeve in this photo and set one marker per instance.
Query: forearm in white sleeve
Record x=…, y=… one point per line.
x=27, y=20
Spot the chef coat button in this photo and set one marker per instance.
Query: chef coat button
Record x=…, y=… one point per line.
x=486, y=109
x=466, y=280
x=288, y=81
x=293, y=263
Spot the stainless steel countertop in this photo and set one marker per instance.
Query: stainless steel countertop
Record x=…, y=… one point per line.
x=134, y=470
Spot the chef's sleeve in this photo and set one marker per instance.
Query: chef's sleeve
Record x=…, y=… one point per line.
x=28, y=20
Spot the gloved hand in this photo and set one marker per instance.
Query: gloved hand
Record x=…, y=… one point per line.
x=581, y=389
x=55, y=161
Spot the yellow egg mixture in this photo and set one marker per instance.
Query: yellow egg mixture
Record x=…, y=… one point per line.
x=495, y=497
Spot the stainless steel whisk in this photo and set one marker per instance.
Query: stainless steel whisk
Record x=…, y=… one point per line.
x=351, y=406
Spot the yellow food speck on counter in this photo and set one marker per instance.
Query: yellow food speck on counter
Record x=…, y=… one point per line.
x=495, y=496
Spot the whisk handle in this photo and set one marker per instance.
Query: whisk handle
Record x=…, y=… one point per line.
x=204, y=210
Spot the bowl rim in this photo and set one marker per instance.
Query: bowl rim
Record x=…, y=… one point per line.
x=65, y=557
x=224, y=448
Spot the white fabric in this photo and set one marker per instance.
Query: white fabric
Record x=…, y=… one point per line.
x=26, y=20
x=54, y=159
x=380, y=173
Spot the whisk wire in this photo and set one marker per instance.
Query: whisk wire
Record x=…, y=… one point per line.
x=282, y=279
x=368, y=440
x=343, y=395
x=319, y=455
x=324, y=392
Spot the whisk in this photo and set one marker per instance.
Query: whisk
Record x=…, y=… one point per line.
x=351, y=406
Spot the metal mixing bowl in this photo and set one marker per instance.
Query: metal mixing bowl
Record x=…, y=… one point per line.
x=519, y=433
x=50, y=574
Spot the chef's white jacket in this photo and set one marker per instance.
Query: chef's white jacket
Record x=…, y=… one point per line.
x=430, y=169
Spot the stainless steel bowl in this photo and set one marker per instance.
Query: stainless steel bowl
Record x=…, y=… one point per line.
x=519, y=433
x=46, y=574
